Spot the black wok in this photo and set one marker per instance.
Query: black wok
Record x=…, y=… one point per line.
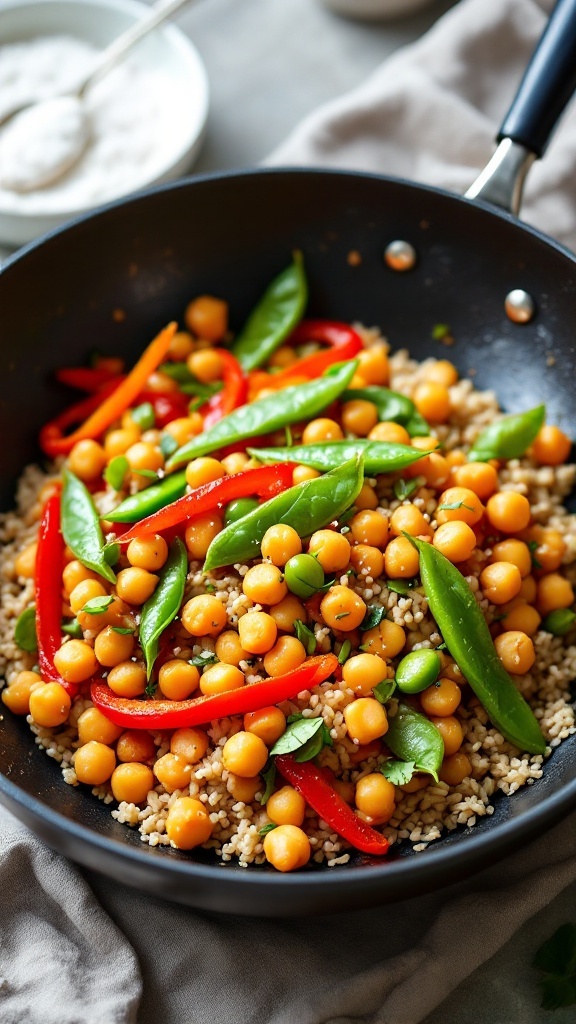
x=229, y=235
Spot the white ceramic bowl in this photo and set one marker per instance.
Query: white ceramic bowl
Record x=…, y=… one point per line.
x=167, y=51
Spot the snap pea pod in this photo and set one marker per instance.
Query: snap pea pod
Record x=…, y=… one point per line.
x=468, y=639
x=150, y=500
x=162, y=608
x=379, y=456
x=274, y=316
x=509, y=437
x=413, y=738
x=306, y=507
x=81, y=527
x=296, y=403
x=391, y=406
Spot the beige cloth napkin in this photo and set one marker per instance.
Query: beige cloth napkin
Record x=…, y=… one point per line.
x=459, y=955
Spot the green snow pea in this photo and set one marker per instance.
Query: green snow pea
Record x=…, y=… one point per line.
x=508, y=438
x=162, y=608
x=379, y=456
x=150, y=500
x=300, y=402
x=81, y=527
x=468, y=639
x=413, y=738
x=391, y=406
x=272, y=319
x=306, y=507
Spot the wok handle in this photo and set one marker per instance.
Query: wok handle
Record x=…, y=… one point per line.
x=548, y=83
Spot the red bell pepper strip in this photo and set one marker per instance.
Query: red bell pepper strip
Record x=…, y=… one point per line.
x=114, y=404
x=86, y=378
x=233, y=394
x=167, y=405
x=343, y=341
x=266, y=481
x=312, y=784
x=48, y=587
x=175, y=714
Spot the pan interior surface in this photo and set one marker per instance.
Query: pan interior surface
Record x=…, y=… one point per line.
x=111, y=280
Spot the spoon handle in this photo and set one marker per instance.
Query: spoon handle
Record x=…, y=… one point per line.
x=124, y=42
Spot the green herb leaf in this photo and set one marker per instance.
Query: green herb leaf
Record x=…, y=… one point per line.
x=274, y=316
x=168, y=445
x=344, y=652
x=384, y=690
x=269, y=775
x=342, y=615
x=509, y=437
x=556, y=958
x=201, y=660
x=143, y=416
x=164, y=604
x=398, y=773
x=413, y=738
x=25, y=630
x=532, y=547
x=305, y=737
x=73, y=629
x=150, y=689
x=306, y=637
x=122, y=630
x=455, y=504
x=401, y=587
x=267, y=828
x=150, y=474
x=116, y=471
x=97, y=605
x=405, y=488
x=374, y=615
x=81, y=526
x=112, y=553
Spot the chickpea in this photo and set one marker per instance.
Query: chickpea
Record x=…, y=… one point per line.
x=375, y=797
x=144, y=455
x=244, y=790
x=468, y=507
x=367, y=499
x=207, y=317
x=332, y=550
x=203, y=615
x=455, y=768
x=177, y=679
x=286, y=807
x=93, y=725
x=17, y=695
x=172, y=772
x=184, y=428
x=442, y=698
x=455, y=540
x=367, y=561
x=551, y=446
x=287, y=848
x=435, y=470
x=258, y=632
x=111, y=648
x=229, y=649
x=417, y=782
x=84, y=592
x=302, y=473
x=500, y=582
x=369, y=528
x=117, y=442
x=522, y=618
x=267, y=723
x=264, y=584
x=75, y=661
x=287, y=612
x=479, y=477
x=136, y=745
x=161, y=382
x=373, y=364
x=451, y=732
x=442, y=372
x=508, y=511
x=188, y=824
x=401, y=559
x=528, y=590
x=516, y=552
x=365, y=719
x=389, y=431
x=127, y=679
x=280, y=543
x=286, y=655
x=189, y=744
x=385, y=640
x=201, y=532
x=135, y=586
x=432, y=401
x=363, y=672
x=73, y=574
x=148, y=553
x=94, y=763
x=114, y=615
x=283, y=357
x=456, y=458
x=341, y=608
x=235, y=463
x=244, y=754
x=181, y=346
x=87, y=460
x=359, y=417
x=321, y=430
x=554, y=591
x=203, y=471
x=206, y=365
x=516, y=651
x=365, y=752
x=408, y=518
x=550, y=549
x=132, y=782
x=49, y=705
x=221, y=678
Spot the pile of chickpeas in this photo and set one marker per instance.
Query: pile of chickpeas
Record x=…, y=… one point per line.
x=472, y=513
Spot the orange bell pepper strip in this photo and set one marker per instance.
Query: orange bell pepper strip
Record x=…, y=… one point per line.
x=343, y=343
x=52, y=439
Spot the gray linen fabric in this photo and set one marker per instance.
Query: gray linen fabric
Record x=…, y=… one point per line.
x=457, y=956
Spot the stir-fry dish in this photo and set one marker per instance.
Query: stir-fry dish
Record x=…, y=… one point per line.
x=285, y=595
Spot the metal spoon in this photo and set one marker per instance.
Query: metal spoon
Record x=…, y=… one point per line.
x=41, y=141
